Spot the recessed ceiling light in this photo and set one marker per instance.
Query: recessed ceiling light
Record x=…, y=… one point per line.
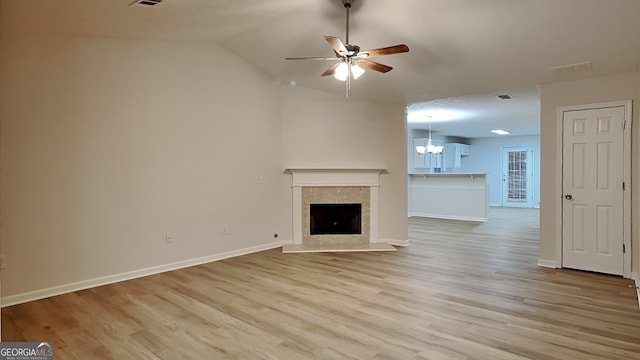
x=500, y=132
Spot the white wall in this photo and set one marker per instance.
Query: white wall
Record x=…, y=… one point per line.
x=485, y=156
x=322, y=130
x=107, y=144
x=596, y=90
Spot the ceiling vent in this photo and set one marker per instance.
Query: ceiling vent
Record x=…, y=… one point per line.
x=145, y=3
x=505, y=97
x=572, y=68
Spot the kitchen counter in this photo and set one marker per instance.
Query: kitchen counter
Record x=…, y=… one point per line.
x=456, y=196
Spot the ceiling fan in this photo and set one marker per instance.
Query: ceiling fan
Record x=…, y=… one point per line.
x=351, y=61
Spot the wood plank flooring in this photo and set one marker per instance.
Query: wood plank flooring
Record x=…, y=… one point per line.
x=460, y=291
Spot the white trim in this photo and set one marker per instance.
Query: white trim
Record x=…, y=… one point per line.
x=558, y=185
x=626, y=240
x=547, y=263
x=374, y=201
x=335, y=177
x=339, y=177
x=504, y=188
x=110, y=279
x=449, y=217
x=627, y=104
x=636, y=278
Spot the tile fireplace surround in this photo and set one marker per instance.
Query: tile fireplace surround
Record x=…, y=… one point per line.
x=335, y=186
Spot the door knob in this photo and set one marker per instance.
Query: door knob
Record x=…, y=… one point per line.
x=568, y=197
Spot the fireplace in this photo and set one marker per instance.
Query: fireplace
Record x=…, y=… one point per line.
x=359, y=196
x=350, y=194
x=335, y=219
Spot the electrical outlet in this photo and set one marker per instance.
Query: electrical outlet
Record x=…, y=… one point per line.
x=225, y=230
x=169, y=238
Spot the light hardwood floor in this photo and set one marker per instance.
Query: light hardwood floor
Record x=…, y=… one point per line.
x=459, y=291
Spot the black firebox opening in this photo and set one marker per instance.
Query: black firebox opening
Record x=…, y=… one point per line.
x=335, y=219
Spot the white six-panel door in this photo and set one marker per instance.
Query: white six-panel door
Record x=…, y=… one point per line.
x=592, y=184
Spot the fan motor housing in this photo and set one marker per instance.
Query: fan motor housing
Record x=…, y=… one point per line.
x=347, y=3
x=353, y=49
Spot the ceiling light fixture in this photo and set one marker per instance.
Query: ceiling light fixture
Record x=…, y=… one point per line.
x=430, y=148
x=356, y=71
x=351, y=61
x=500, y=132
x=344, y=70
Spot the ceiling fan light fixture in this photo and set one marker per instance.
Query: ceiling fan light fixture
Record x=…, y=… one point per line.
x=342, y=72
x=352, y=62
x=356, y=71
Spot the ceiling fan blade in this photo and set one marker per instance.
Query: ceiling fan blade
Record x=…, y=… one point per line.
x=337, y=45
x=331, y=70
x=389, y=50
x=312, y=58
x=372, y=65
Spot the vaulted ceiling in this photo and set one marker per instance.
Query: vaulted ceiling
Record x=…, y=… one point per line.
x=457, y=47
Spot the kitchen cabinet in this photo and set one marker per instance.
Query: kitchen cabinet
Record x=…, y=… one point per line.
x=453, y=154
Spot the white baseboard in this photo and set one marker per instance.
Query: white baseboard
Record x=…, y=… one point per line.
x=636, y=277
x=450, y=217
x=547, y=263
x=110, y=279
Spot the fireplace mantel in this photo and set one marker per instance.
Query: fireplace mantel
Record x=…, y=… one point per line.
x=340, y=178
x=336, y=177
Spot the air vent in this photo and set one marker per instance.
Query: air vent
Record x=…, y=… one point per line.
x=145, y=3
x=505, y=97
x=572, y=68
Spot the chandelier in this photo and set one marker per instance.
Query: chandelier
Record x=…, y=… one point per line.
x=430, y=148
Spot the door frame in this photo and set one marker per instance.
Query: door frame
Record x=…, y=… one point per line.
x=626, y=150
x=530, y=175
